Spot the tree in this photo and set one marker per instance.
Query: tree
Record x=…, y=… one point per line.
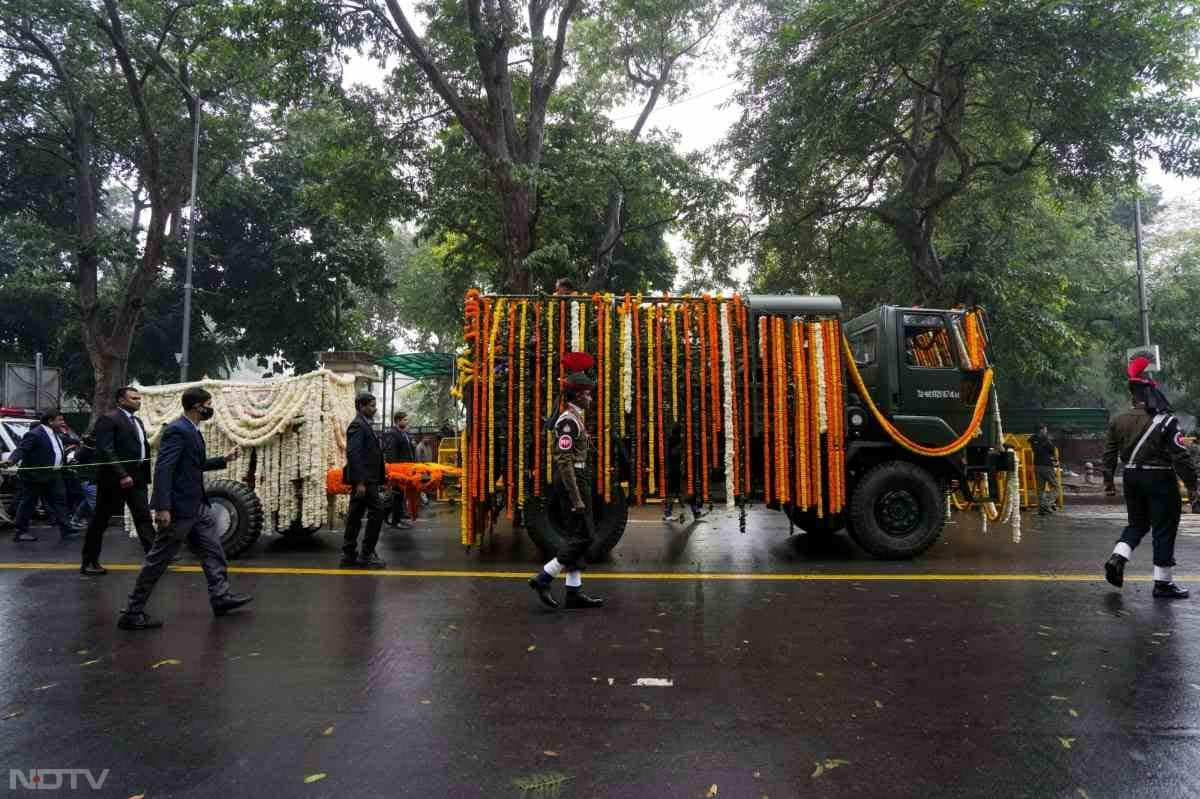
x=856, y=110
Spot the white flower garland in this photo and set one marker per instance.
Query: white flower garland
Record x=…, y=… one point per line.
x=574, y=343
x=627, y=361
x=297, y=427
x=727, y=375
x=818, y=342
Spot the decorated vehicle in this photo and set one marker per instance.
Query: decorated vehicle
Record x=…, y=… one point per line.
x=292, y=432
x=737, y=400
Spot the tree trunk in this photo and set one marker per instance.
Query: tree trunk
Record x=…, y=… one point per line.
x=519, y=207
x=915, y=235
x=608, y=244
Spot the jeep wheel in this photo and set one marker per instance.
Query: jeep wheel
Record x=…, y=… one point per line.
x=238, y=513
x=544, y=522
x=897, y=511
x=807, y=521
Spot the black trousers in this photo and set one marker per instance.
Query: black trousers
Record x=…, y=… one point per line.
x=111, y=499
x=1153, y=504
x=580, y=527
x=53, y=492
x=204, y=539
x=370, y=504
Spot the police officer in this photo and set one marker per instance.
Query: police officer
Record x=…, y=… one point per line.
x=573, y=492
x=1148, y=441
x=1045, y=464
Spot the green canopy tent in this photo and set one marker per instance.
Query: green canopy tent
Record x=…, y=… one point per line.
x=401, y=371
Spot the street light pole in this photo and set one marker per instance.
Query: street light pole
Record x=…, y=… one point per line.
x=191, y=245
x=1143, y=304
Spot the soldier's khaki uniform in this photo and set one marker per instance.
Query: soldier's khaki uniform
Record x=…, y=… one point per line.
x=1152, y=449
x=573, y=486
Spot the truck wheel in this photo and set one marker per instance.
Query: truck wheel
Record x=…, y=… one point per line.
x=239, y=515
x=544, y=522
x=896, y=511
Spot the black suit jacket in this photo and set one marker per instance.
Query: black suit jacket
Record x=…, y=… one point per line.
x=364, y=456
x=179, y=470
x=117, y=440
x=35, y=453
x=398, y=446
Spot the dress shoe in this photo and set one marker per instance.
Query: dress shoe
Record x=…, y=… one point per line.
x=543, y=591
x=372, y=561
x=349, y=562
x=23, y=537
x=230, y=602
x=1168, y=590
x=142, y=621
x=1114, y=570
x=578, y=599
x=93, y=569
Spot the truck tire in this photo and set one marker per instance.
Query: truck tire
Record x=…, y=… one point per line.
x=896, y=511
x=239, y=515
x=544, y=522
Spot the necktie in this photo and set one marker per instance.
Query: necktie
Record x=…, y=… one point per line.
x=141, y=434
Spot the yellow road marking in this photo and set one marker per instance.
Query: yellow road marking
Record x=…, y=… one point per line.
x=592, y=575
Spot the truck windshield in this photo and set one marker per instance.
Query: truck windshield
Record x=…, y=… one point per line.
x=927, y=342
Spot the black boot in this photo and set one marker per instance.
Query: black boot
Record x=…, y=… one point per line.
x=577, y=599
x=1114, y=570
x=1165, y=589
x=543, y=591
x=230, y=601
x=349, y=560
x=93, y=569
x=370, y=560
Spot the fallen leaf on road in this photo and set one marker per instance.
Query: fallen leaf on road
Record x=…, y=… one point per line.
x=90, y=662
x=1054, y=698
x=46, y=687
x=711, y=791
x=138, y=796
x=879, y=704
x=1074, y=713
x=254, y=654
x=532, y=647
x=550, y=753
x=81, y=652
x=311, y=778
x=1066, y=742
x=452, y=627
x=829, y=764
x=167, y=662
x=14, y=714
x=328, y=731
x=1082, y=793
x=426, y=701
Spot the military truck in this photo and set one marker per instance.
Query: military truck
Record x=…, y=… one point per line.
x=865, y=426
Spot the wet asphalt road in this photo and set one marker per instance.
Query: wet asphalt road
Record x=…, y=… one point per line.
x=925, y=678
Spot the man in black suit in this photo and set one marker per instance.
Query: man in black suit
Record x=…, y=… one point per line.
x=42, y=457
x=364, y=472
x=398, y=448
x=123, y=458
x=182, y=511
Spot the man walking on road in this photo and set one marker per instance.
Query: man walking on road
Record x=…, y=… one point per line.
x=573, y=493
x=398, y=448
x=1045, y=465
x=42, y=458
x=364, y=473
x=1147, y=439
x=182, y=511
x=123, y=458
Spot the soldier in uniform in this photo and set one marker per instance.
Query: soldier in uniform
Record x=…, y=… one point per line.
x=573, y=493
x=1148, y=441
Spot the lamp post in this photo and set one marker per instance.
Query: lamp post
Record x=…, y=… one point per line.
x=1143, y=305
x=194, y=99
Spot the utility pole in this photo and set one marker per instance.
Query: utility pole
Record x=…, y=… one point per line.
x=1143, y=305
x=191, y=244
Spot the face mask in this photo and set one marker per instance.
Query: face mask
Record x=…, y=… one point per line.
x=206, y=414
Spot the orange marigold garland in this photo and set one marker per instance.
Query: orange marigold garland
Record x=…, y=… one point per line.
x=662, y=410
x=599, y=413
x=651, y=402
x=837, y=416
x=744, y=330
x=714, y=370
x=521, y=407
x=814, y=420
x=510, y=385
x=704, y=431
x=687, y=394
x=637, y=398
x=799, y=378
x=764, y=350
x=537, y=398
x=548, y=436
x=781, y=407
